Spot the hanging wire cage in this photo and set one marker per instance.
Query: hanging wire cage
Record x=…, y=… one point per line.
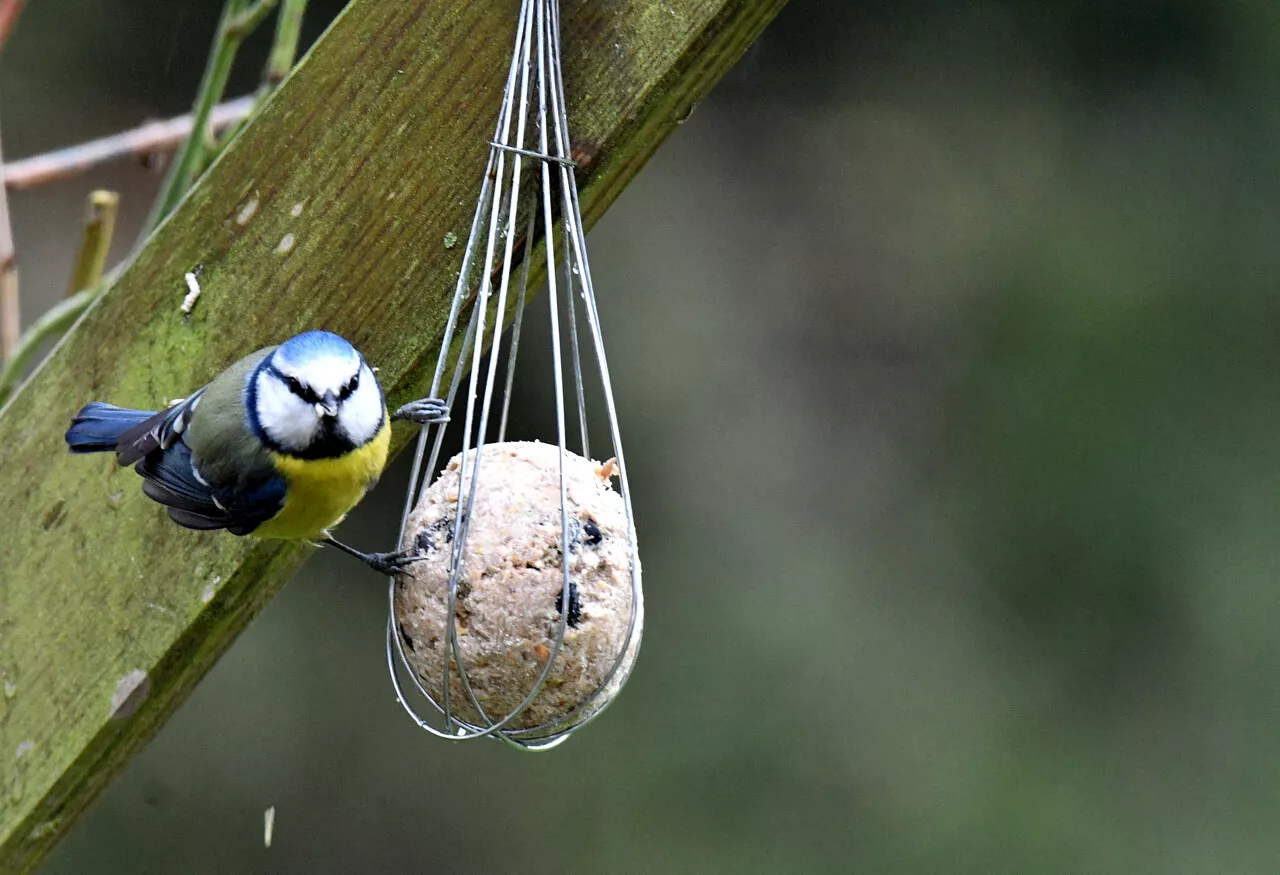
x=532, y=669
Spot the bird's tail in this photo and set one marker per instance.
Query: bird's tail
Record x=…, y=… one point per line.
x=97, y=427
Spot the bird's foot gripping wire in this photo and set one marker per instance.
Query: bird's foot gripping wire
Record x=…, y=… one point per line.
x=424, y=411
x=383, y=563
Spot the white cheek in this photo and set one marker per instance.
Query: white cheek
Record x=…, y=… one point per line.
x=362, y=413
x=287, y=419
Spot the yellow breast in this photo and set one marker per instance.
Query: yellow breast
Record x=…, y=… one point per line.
x=322, y=491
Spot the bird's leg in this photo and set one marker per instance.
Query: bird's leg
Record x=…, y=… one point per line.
x=424, y=411
x=383, y=563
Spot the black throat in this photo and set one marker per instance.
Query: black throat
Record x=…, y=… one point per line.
x=330, y=443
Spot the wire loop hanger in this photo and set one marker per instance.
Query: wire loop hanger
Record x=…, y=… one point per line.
x=531, y=135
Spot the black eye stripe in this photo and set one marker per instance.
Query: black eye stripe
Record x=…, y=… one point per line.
x=306, y=393
x=303, y=392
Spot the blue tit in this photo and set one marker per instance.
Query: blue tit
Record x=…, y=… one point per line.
x=282, y=444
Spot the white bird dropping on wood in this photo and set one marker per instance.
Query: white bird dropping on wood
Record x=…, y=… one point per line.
x=193, y=292
x=511, y=583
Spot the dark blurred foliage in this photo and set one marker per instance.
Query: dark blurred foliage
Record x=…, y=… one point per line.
x=945, y=343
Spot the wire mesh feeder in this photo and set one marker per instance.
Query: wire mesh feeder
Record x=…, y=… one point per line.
x=507, y=633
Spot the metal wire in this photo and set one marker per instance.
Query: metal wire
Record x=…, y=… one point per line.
x=532, y=129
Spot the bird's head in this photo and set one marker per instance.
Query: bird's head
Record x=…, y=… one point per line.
x=315, y=397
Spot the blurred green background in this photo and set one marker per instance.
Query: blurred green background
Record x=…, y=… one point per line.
x=945, y=342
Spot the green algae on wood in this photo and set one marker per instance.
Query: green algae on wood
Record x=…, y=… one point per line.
x=369, y=154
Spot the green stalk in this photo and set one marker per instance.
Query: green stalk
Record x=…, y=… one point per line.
x=247, y=21
x=284, y=51
x=95, y=240
x=239, y=18
x=284, y=48
x=51, y=325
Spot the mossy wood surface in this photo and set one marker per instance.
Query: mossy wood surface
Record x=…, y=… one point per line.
x=329, y=211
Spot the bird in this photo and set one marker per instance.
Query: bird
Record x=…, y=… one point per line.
x=282, y=444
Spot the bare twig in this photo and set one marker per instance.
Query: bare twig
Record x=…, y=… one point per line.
x=95, y=242
x=10, y=314
x=159, y=136
x=9, y=12
x=147, y=139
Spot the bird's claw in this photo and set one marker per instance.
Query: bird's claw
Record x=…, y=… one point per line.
x=383, y=563
x=424, y=411
x=392, y=563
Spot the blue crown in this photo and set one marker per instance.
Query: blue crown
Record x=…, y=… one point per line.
x=314, y=344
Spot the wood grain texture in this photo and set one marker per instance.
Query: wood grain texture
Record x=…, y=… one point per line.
x=329, y=211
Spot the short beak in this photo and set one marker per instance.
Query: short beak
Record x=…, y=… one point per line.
x=328, y=405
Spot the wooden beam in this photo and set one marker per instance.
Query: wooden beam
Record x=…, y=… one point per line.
x=330, y=210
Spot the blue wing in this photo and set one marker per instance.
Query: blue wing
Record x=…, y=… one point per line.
x=170, y=478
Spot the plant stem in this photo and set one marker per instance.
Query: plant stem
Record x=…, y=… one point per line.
x=51, y=325
x=236, y=23
x=247, y=21
x=284, y=48
x=10, y=312
x=95, y=241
